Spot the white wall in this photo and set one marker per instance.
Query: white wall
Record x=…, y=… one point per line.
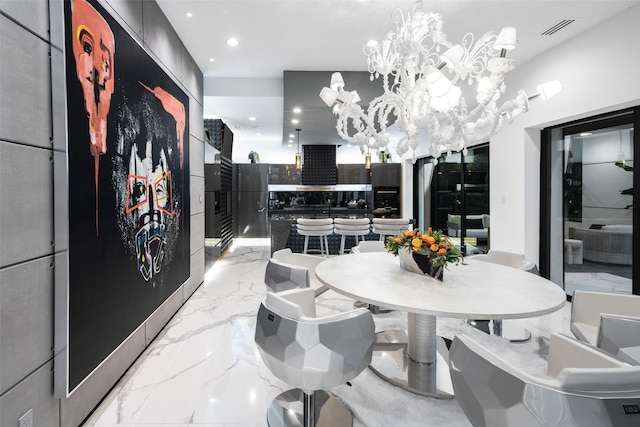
x=599, y=72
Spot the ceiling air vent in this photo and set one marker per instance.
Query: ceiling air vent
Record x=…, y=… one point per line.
x=557, y=27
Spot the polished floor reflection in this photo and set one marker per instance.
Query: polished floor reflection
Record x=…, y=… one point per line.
x=203, y=369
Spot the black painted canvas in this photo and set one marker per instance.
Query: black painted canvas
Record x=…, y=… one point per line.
x=128, y=185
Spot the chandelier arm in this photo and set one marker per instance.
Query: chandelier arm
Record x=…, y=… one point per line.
x=475, y=58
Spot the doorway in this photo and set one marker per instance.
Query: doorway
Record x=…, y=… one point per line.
x=588, y=217
x=453, y=196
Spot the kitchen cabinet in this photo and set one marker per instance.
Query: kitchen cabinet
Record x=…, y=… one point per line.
x=386, y=175
x=353, y=174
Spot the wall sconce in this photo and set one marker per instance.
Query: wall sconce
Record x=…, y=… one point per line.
x=298, y=155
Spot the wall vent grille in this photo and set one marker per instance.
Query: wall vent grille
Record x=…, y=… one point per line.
x=557, y=27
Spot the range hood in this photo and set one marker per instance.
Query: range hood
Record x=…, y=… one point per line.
x=319, y=165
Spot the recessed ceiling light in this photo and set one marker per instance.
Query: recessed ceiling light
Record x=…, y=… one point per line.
x=188, y=14
x=297, y=110
x=289, y=146
x=211, y=59
x=295, y=121
x=232, y=41
x=291, y=135
x=586, y=134
x=252, y=119
x=258, y=134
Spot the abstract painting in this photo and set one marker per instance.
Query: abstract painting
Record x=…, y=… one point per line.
x=128, y=185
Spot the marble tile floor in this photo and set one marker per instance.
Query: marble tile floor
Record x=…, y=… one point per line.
x=598, y=282
x=203, y=368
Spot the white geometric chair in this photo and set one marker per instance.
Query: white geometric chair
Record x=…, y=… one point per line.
x=356, y=227
x=279, y=276
x=620, y=337
x=389, y=226
x=315, y=227
x=296, y=261
x=584, y=387
x=368, y=246
x=587, y=308
x=513, y=260
x=311, y=353
x=509, y=259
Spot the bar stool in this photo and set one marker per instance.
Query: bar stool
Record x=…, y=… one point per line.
x=389, y=226
x=315, y=227
x=356, y=227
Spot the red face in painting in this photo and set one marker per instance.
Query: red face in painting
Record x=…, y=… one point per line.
x=149, y=204
x=93, y=49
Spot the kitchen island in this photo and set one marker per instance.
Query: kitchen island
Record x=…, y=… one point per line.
x=285, y=235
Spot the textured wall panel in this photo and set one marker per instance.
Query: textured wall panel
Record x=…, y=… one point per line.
x=197, y=232
x=26, y=319
x=161, y=39
x=83, y=400
x=196, y=156
x=34, y=392
x=191, y=75
x=197, y=274
x=26, y=209
x=162, y=315
x=130, y=11
x=196, y=123
x=25, y=88
x=26, y=201
x=33, y=14
x=197, y=194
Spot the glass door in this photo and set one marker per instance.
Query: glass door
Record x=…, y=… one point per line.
x=588, y=235
x=453, y=196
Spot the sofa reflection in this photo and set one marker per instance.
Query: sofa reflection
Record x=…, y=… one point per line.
x=476, y=226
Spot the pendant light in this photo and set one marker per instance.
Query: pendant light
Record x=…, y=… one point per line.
x=367, y=160
x=298, y=155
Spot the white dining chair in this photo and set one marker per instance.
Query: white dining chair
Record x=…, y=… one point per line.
x=582, y=387
x=311, y=353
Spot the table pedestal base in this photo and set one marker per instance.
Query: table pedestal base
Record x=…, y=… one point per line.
x=419, y=364
x=508, y=331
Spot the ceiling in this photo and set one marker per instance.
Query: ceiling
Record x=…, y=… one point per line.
x=328, y=35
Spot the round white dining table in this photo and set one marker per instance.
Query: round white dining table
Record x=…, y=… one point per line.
x=473, y=290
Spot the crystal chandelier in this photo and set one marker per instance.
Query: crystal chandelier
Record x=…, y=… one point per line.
x=438, y=93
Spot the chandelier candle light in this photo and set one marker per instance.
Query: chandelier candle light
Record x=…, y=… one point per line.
x=423, y=76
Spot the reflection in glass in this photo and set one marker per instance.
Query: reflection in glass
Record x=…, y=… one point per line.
x=598, y=215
